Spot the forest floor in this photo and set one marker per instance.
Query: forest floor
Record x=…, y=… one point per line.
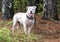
x=50, y=30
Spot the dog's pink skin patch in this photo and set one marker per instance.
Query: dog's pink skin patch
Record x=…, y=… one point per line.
x=30, y=14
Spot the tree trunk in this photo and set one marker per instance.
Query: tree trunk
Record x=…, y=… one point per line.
x=54, y=10
x=7, y=9
x=50, y=9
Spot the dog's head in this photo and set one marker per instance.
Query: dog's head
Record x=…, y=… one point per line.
x=31, y=11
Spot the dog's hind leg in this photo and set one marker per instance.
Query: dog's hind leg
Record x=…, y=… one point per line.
x=14, y=24
x=17, y=26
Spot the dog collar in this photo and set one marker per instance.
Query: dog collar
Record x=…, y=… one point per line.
x=29, y=17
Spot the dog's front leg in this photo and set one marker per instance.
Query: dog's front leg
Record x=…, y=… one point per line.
x=25, y=29
x=29, y=29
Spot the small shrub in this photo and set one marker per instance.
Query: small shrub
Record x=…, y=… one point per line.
x=5, y=35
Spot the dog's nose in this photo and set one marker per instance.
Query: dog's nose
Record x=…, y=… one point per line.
x=30, y=12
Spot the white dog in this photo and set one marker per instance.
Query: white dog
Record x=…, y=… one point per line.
x=26, y=19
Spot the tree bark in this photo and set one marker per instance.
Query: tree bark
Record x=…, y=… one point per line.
x=54, y=10
x=50, y=10
x=7, y=9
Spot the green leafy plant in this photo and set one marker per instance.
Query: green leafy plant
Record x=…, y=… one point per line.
x=20, y=5
x=5, y=35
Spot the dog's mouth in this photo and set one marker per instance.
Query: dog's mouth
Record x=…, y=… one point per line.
x=30, y=16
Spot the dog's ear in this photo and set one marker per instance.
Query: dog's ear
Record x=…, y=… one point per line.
x=35, y=7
